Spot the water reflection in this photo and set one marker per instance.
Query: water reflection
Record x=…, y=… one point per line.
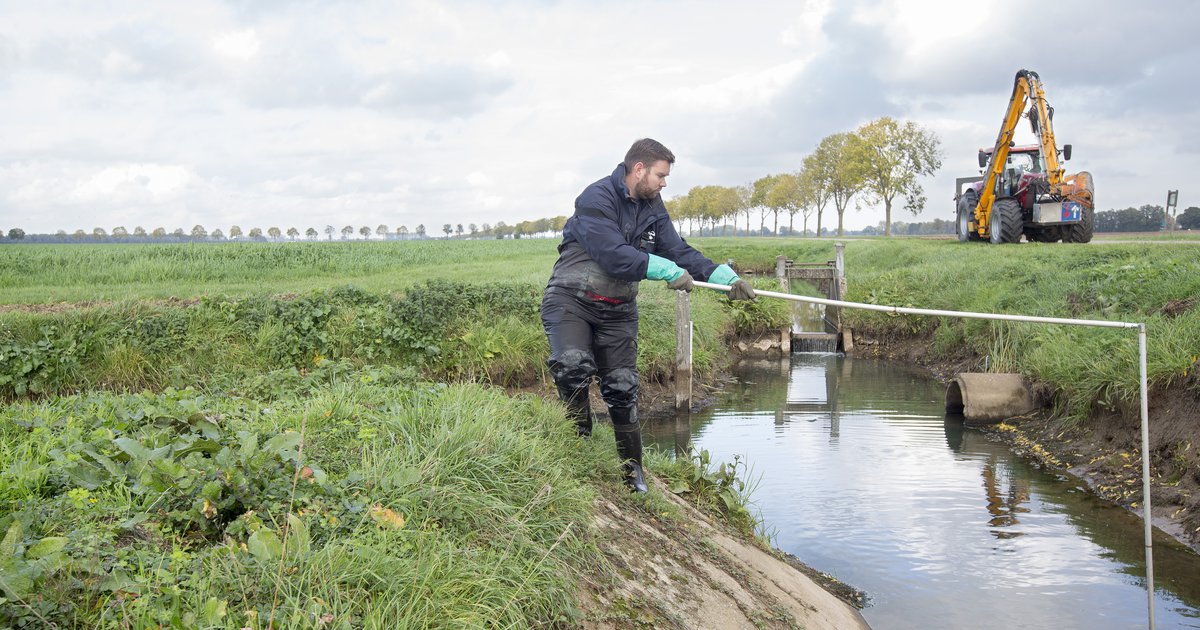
x=864, y=477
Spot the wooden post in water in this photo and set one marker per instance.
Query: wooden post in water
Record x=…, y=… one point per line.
x=781, y=273
x=836, y=287
x=683, y=351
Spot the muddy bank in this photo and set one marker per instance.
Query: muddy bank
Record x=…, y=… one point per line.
x=1104, y=450
x=693, y=572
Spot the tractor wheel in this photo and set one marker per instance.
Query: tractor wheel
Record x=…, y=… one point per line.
x=1006, y=222
x=1081, y=232
x=966, y=210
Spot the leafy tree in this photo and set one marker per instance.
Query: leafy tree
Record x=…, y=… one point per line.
x=179, y=232
x=447, y=229
x=458, y=229
x=235, y=231
x=79, y=235
x=17, y=234
x=815, y=192
x=758, y=199
x=893, y=157
x=474, y=229
x=487, y=229
x=745, y=193
x=402, y=231
x=311, y=233
x=421, y=231
x=218, y=235
x=256, y=233
x=329, y=231
x=724, y=202
x=120, y=232
x=139, y=231
x=1189, y=219
x=838, y=167
x=293, y=233
x=274, y=233
x=198, y=231
x=382, y=231
x=99, y=233
x=347, y=230
x=365, y=231
x=501, y=230
x=159, y=232
x=787, y=196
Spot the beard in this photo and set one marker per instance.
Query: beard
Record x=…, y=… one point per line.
x=643, y=190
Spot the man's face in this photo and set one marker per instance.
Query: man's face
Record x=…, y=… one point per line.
x=650, y=179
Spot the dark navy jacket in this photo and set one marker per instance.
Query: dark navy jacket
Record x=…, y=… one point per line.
x=604, y=246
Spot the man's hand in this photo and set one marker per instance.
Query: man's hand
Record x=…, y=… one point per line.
x=739, y=290
x=683, y=283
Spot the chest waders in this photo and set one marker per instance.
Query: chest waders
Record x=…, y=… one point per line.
x=594, y=337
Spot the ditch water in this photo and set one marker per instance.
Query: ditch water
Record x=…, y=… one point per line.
x=862, y=476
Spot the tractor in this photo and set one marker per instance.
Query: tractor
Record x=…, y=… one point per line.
x=1023, y=191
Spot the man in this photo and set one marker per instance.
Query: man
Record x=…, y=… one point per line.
x=619, y=235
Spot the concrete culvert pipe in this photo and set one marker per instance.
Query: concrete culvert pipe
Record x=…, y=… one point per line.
x=988, y=398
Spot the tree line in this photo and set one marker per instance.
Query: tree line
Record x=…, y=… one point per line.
x=1147, y=218
x=236, y=233
x=878, y=163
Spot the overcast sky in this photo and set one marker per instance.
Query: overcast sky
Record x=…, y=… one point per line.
x=265, y=113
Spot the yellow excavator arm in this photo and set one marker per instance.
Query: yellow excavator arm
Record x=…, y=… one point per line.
x=1028, y=86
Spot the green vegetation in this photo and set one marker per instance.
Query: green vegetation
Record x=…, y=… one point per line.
x=278, y=446
x=75, y=273
x=344, y=499
x=1155, y=284
x=442, y=330
x=328, y=457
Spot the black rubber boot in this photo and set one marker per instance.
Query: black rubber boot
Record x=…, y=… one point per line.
x=579, y=409
x=629, y=446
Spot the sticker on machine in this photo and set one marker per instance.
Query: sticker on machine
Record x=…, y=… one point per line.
x=1071, y=211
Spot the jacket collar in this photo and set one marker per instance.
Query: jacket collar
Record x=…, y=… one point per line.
x=618, y=181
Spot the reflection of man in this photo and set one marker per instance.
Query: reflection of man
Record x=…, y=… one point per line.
x=620, y=234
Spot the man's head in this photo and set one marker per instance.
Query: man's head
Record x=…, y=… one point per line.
x=647, y=165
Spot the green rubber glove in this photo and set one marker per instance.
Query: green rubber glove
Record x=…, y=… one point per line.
x=659, y=268
x=723, y=274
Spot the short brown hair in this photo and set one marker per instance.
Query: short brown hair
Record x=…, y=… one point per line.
x=647, y=151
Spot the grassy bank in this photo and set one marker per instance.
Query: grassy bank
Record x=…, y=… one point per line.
x=343, y=499
x=332, y=458
x=1154, y=284
x=442, y=330
x=241, y=324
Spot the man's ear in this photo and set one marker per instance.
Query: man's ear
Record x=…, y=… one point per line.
x=639, y=168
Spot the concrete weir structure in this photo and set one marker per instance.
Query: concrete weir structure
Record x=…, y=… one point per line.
x=988, y=398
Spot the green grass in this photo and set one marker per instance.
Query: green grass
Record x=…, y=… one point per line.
x=361, y=499
x=1123, y=282
x=295, y=450
x=104, y=272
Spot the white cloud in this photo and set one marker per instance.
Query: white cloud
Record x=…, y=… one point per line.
x=241, y=45
x=125, y=184
x=422, y=112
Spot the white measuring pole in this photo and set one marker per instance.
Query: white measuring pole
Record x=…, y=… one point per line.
x=1036, y=320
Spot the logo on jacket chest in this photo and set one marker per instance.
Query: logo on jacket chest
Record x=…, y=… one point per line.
x=646, y=241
